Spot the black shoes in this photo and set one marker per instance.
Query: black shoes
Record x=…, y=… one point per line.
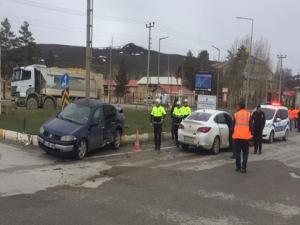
x=241, y=170
x=244, y=171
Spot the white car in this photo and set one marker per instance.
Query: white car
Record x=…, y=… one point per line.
x=277, y=122
x=208, y=129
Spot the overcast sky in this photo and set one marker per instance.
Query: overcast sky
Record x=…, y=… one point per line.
x=190, y=24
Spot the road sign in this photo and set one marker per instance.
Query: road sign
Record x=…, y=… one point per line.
x=203, y=82
x=64, y=82
x=65, y=98
x=207, y=102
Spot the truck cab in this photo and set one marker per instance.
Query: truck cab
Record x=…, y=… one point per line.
x=25, y=81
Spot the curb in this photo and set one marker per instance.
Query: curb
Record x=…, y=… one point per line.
x=28, y=139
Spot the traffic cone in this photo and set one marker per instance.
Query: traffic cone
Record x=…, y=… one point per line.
x=137, y=146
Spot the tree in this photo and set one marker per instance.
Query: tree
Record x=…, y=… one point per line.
x=7, y=42
x=203, y=61
x=50, y=60
x=7, y=36
x=258, y=68
x=25, y=38
x=29, y=51
x=189, y=70
x=121, y=79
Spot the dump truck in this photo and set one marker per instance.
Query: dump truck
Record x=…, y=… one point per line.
x=39, y=86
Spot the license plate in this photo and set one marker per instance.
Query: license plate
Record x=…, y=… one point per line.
x=49, y=145
x=189, y=139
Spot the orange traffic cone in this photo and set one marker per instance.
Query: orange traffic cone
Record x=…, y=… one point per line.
x=137, y=146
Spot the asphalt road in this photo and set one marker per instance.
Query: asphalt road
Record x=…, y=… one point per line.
x=174, y=187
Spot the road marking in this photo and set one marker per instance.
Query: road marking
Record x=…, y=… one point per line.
x=294, y=175
x=127, y=153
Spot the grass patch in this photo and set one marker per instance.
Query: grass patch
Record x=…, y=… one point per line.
x=29, y=121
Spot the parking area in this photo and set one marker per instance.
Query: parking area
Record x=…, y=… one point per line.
x=173, y=187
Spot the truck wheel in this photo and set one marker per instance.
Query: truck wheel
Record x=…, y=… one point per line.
x=49, y=104
x=32, y=103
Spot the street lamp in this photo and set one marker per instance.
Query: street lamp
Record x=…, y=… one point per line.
x=158, y=69
x=218, y=76
x=249, y=57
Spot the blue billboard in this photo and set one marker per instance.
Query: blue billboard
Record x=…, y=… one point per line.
x=203, y=82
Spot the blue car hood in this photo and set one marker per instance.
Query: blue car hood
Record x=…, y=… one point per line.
x=61, y=127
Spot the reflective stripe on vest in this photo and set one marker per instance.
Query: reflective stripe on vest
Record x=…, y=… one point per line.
x=177, y=112
x=186, y=110
x=158, y=111
x=242, y=128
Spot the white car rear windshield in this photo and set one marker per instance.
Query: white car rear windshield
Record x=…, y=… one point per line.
x=200, y=116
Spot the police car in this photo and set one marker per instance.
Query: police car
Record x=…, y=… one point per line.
x=277, y=122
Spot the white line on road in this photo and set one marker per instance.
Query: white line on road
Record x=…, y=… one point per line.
x=126, y=153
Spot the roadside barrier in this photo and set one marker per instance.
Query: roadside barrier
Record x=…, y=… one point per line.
x=28, y=139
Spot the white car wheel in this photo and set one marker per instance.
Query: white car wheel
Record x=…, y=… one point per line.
x=286, y=136
x=216, y=146
x=271, y=138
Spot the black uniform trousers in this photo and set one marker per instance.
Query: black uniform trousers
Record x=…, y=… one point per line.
x=175, y=127
x=241, y=146
x=257, y=138
x=157, y=134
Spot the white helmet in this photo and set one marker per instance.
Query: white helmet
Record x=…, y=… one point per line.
x=185, y=100
x=157, y=100
x=178, y=102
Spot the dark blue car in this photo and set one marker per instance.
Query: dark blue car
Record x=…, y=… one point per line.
x=82, y=126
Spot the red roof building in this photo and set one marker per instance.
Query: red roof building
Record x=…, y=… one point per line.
x=175, y=89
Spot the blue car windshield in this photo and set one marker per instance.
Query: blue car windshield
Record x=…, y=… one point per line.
x=76, y=113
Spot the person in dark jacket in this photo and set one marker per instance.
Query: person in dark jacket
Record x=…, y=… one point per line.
x=258, y=121
x=171, y=112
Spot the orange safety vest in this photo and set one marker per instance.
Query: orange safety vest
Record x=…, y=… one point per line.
x=242, y=128
x=295, y=112
x=291, y=114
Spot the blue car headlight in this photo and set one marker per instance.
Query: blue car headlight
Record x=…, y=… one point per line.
x=68, y=138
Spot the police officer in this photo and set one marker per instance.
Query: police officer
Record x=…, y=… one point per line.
x=258, y=121
x=157, y=117
x=241, y=136
x=186, y=110
x=176, y=120
x=171, y=112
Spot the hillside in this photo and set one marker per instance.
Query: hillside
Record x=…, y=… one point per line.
x=134, y=56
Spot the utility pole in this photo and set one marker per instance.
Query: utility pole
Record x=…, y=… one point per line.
x=170, y=97
x=158, y=69
x=218, y=76
x=280, y=57
x=88, y=51
x=110, y=71
x=149, y=26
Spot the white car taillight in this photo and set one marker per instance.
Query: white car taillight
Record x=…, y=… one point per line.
x=204, y=129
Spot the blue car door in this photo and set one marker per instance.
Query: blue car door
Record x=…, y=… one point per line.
x=110, y=123
x=97, y=129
